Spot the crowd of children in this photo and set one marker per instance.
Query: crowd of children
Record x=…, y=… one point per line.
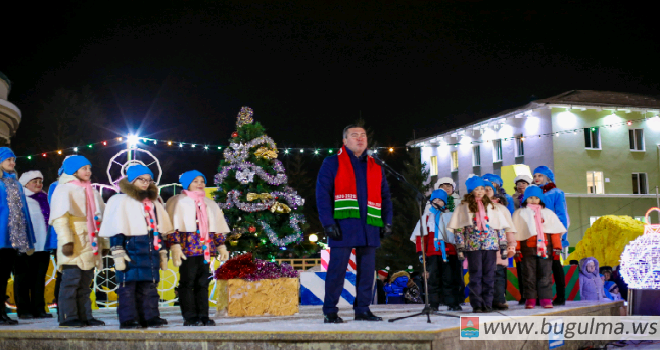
x=135, y=226
x=489, y=226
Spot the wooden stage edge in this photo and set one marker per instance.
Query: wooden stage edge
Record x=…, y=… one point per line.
x=304, y=330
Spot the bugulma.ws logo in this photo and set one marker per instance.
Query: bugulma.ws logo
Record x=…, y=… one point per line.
x=469, y=327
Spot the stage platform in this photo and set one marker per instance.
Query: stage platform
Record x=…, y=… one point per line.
x=305, y=330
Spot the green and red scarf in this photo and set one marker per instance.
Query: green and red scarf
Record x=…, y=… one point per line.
x=346, y=200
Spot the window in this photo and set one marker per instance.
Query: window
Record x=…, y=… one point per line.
x=476, y=156
x=640, y=218
x=434, y=165
x=591, y=138
x=520, y=148
x=497, y=150
x=454, y=161
x=593, y=219
x=595, y=182
x=636, y=139
x=640, y=185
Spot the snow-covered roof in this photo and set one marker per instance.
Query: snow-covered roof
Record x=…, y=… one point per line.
x=571, y=99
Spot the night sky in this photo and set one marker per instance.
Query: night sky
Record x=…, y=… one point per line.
x=181, y=70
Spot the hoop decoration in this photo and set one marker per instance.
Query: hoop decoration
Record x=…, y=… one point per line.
x=151, y=160
x=640, y=260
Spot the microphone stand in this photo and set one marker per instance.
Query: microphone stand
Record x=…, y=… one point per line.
x=420, y=199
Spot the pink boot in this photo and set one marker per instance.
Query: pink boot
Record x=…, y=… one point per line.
x=546, y=303
x=530, y=303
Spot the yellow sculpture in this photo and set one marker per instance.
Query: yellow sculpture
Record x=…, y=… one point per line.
x=606, y=239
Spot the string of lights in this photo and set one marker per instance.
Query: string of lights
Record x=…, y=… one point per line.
x=550, y=134
x=146, y=141
x=138, y=141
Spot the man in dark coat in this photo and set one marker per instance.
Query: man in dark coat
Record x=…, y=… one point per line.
x=355, y=209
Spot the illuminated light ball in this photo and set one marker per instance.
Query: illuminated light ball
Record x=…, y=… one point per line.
x=391, y=149
x=640, y=260
x=313, y=238
x=29, y=157
x=629, y=123
x=169, y=143
x=59, y=152
x=43, y=154
x=252, y=229
x=234, y=134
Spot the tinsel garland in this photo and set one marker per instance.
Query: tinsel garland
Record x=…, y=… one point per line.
x=294, y=220
x=242, y=267
x=292, y=198
x=247, y=169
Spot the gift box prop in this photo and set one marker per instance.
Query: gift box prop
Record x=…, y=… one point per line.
x=325, y=260
x=571, y=277
x=256, y=288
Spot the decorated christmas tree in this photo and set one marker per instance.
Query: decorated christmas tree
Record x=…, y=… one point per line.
x=263, y=212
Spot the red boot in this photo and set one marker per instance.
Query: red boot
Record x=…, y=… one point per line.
x=546, y=303
x=530, y=303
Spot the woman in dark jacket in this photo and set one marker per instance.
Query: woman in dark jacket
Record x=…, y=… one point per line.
x=136, y=222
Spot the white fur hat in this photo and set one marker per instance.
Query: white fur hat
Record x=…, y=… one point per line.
x=444, y=180
x=523, y=177
x=29, y=176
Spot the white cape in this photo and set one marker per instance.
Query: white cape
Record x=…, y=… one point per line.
x=523, y=218
x=181, y=209
x=125, y=215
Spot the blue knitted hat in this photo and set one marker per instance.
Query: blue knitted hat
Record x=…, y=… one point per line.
x=187, y=178
x=73, y=163
x=136, y=170
x=533, y=191
x=493, y=178
x=6, y=152
x=439, y=193
x=474, y=182
x=544, y=170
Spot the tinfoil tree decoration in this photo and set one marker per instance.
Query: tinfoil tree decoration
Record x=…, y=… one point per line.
x=263, y=212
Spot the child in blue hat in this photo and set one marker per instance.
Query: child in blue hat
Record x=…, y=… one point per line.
x=443, y=266
x=76, y=215
x=539, y=236
x=555, y=200
x=199, y=228
x=16, y=231
x=136, y=222
x=480, y=229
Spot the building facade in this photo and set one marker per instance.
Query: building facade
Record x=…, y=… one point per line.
x=602, y=146
x=10, y=115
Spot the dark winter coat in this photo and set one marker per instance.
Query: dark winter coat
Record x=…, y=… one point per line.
x=145, y=260
x=355, y=232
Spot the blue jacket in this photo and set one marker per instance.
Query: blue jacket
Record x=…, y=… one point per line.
x=355, y=232
x=396, y=288
x=145, y=260
x=509, y=203
x=5, y=241
x=556, y=201
x=51, y=237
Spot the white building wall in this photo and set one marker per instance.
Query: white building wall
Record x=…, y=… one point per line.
x=538, y=150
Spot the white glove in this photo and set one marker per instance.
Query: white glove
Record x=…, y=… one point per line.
x=120, y=257
x=177, y=255
x=223, y=254
x=163, y=260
